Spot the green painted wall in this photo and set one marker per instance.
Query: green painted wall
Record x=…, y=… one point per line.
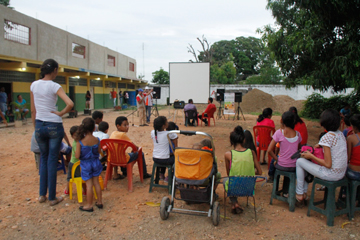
x=98, y=101
x=79, y=101
x=108, y=103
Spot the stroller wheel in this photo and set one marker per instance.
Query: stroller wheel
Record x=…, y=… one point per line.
x=165, y=202
x=216, y=214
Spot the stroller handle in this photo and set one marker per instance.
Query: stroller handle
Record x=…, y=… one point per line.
x=191, y=133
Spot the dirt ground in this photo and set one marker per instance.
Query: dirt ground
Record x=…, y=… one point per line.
x=126, y=216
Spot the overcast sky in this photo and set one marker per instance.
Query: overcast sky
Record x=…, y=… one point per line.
x=165, y=27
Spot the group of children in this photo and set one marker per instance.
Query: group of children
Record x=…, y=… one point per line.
x=241, y=161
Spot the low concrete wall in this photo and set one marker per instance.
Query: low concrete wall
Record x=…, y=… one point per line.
x=300, y=92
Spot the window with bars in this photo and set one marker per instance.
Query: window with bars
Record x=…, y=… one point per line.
x=16, y=32
x=111, y=61
x=131, y=66
x=78, y=50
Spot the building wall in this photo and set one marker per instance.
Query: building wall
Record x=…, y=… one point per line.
x=50, y=42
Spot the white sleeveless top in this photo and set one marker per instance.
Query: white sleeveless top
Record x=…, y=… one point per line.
x=45, y=99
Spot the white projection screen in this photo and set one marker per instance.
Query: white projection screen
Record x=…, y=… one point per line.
x=189, y=80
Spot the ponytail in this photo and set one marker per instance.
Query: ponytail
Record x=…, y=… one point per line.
x=267, y=112
x=87, y=126
x=159, y=122
x=48, y=66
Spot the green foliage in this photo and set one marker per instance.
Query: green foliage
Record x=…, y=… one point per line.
x=161, y=77
x=224, y=75
x=316, y=41
x=5, y=2
x=316, y=104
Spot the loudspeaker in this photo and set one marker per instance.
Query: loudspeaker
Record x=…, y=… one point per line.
x=156, y=92
x=179, y=105
x=238, y=97
x=220, y=95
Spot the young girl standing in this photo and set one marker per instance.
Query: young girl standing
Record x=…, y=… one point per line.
x=88, y=151
x=333, y=166
x=240, y=162
x=161, y=152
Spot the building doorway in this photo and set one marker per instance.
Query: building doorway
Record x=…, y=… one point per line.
x=8, y=90
x=72, y=94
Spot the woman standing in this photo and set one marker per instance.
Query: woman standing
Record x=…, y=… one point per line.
x=49, y=130
x=87, y=98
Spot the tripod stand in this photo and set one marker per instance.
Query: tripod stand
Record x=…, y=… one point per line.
x=132, y=116
x=237, y=115
x=154, y=110
x=220, y=112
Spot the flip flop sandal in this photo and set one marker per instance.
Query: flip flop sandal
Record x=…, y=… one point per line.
x=42, y=199
x=56, y=201
x=239, y=210
x=99, y=206
x=86, y=210
x=233, y=211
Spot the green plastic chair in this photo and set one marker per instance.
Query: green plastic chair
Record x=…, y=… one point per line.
x=330, y=205
x=155, y=177
x=291, y=198
x=354, y=196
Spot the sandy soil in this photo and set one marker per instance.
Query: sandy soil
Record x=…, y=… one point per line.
x=125, y=215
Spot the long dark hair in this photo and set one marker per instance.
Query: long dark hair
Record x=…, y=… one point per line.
x=288, y=119
x=249, y=141
x=88, y=93
x=48, y=66
x=159, y=122
x=237, y=136
x=295, y=112
x=87, y=126
x=267, y=112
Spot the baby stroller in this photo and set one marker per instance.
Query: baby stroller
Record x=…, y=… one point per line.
x=194, y=178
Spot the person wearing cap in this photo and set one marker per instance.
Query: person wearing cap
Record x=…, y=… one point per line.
x=140, y=101
x=148, y=102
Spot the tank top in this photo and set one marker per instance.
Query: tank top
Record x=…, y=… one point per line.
x=355, y=153
x=89, y=152
x=242, y=164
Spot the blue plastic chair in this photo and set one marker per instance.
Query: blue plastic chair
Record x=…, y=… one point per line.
x=241, y=186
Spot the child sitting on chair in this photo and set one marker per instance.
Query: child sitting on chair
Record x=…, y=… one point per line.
x=122, y=126
x=290, y=143
x=161, y=152
x=239, y=162
x=73, y=160
x=102, y=134
x=98, y=117
x=88, y=151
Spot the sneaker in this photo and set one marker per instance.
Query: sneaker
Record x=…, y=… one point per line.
x=66, y=192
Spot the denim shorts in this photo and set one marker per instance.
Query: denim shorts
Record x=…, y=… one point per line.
x=90, y=168
x=354, y=175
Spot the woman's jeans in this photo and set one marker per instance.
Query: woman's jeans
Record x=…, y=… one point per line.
x=354, y=175
x=48, y=136
x=302, y=166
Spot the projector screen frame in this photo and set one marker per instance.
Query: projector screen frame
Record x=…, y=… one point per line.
x=186, y=100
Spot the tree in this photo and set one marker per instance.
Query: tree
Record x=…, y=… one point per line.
x=141, y=76
x=225, y=74
x=205, y=55
x=160, y=77
x=316, y=42
x=6, y=3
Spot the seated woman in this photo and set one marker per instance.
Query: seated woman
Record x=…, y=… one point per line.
x=300, y=126
x=334, y=164
x=264, y=119
x=239, y=162
x=290, y=142
x=353, y=148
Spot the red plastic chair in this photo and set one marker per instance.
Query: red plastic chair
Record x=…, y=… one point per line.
x=210, y=115
x=117, y=157
x=265, y=136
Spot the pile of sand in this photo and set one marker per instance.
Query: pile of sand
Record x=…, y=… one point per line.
x=256, y=100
